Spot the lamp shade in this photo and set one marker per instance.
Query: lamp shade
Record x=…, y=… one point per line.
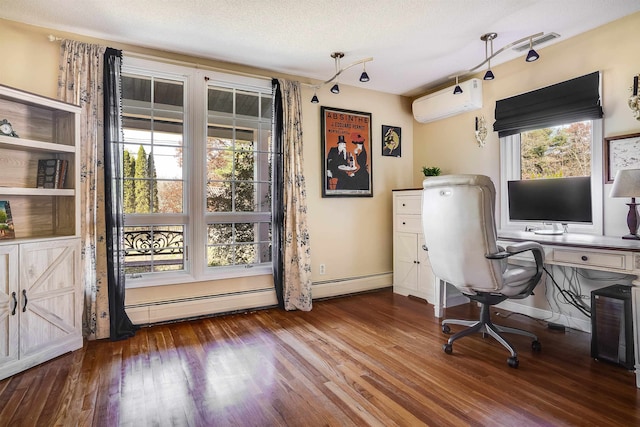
x=626, y=183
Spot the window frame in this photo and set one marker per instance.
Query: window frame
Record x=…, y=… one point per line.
x=196, y=83
x=510, y=170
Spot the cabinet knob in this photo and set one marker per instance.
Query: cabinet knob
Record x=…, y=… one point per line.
x=403, y=205
x=404, y=223
x=584, y=258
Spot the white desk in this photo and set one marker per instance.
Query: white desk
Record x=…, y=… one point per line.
x=601, y=253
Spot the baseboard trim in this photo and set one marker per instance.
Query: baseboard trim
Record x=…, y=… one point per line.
x=211, y=305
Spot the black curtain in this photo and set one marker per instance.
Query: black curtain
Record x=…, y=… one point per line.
x=570, y=101
x=278, y=190
x=120, y=324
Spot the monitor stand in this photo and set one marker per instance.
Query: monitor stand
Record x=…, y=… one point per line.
x=556, y=230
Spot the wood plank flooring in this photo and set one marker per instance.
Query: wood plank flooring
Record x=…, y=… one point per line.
x=370, y=359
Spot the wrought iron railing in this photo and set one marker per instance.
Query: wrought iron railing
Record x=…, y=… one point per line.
x=155, y=247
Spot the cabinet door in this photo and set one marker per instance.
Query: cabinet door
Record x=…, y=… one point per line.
x=8, y=303
x=50, y=309
x=405, y=270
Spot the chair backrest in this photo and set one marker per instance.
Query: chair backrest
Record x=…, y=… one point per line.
x=459, y=230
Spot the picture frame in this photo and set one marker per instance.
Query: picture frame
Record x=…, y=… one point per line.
x=620, y=152
x=347, y=166
x=391, y=141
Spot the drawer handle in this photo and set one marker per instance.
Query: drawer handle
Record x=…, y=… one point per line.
x=15, y=303
x=404, y=223
x=403, y=205
x=24, y=295
x=584, y=258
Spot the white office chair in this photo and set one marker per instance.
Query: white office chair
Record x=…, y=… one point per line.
x=460, y=234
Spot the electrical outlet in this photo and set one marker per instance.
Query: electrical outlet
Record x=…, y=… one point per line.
x=323, y=269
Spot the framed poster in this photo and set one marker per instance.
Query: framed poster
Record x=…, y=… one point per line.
x=391, y=141
x=346, y=153
x=6, y=221
x=620, y=152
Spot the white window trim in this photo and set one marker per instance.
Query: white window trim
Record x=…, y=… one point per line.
x=510, y=170
x=195, y=85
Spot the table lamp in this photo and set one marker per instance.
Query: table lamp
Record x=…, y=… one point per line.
x=627, y=184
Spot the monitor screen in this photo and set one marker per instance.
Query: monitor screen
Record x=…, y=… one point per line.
x=556, y=200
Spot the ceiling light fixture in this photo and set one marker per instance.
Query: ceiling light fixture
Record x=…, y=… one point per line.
x=364, y=77
x=488, y=40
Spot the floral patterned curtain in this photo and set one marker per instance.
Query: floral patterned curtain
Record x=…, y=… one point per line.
x=80, y=82
x=295, y=251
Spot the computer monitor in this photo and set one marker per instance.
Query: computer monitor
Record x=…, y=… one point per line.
x=555, y=201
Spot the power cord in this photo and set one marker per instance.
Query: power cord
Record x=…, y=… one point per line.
x=569, y=296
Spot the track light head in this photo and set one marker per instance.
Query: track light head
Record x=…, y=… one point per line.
x=364, y=77
x=457, y=90
x=315, y=99
x=489, y=75
x=532, y=56
x=335, y=88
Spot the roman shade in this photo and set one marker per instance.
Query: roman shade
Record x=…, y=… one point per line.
x=570, y=101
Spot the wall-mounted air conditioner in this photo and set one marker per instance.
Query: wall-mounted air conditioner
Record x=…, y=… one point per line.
x=444, y=103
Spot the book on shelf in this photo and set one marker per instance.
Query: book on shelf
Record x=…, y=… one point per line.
x=52, y=173
x=6, y=221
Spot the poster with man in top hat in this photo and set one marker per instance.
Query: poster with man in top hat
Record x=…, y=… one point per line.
x=346, y=145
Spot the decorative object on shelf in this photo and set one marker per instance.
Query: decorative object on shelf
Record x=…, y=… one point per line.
x=346, y=150
x=481, y=130
x=532, y=55
x=634, y=99
x=620, y=152
x=391, y=141
x=627, y=184
x=6, y=128
x=431, y=171
x=364, y=77
x=52, y=173
x=6, y=221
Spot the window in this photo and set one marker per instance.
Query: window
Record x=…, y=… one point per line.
x=197, y=187
x=560, y=151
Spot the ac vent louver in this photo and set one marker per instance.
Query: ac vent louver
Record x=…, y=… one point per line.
x=545, y=38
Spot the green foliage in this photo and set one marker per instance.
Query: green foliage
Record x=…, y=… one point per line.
x=153, y=184
x=142, y=184
x=128, y=185
x=555, y=152
x=431, y=171
x=3, y=216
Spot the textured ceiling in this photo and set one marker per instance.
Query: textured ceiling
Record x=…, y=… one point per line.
x=416, y=44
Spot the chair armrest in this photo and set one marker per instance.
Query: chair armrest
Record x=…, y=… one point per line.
x=538, y=255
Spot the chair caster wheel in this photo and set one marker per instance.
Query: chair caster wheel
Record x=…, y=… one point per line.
x=536, y=346
x=446, y=329
x=513, y=362
x=448, y=348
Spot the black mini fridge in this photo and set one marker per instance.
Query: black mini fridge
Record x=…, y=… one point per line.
x=612, y=326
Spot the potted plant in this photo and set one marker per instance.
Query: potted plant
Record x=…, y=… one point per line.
x=431, y=171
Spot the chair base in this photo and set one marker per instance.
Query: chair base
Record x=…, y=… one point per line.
x=486, y=326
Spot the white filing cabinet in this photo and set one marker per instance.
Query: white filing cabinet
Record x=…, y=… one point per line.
x=412, y=273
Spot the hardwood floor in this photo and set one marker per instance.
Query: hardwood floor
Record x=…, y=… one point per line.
x=370, y=359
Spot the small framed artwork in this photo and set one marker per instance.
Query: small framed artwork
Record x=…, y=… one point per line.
x=6, y=221
x=391, y=141
x=346, y=153
x=620, y=152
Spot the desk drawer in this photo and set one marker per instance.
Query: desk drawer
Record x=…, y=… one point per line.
x=606, y=260
x=409, y=223
x=409, y=205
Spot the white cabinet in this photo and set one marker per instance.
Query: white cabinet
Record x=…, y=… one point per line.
x=40, y=283
x=412, y=273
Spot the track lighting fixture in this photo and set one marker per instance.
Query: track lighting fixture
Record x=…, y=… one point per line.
x=488, y=39
x=532, y=55
x=488, y=43
x=364, y=77
x=457, y=89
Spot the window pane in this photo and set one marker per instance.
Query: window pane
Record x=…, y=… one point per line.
x=153, y=248
x=247, y=104
x=221, y=100
x=556, y=152
x=239, y=244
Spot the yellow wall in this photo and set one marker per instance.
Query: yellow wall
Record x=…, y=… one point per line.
x=611, y=49
x=351, y=236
